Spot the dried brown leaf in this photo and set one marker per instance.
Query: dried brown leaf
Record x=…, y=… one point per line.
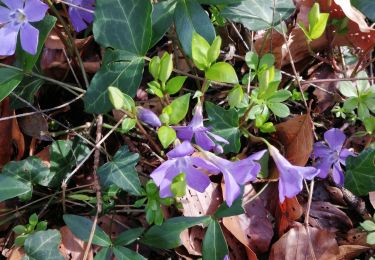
x=296, y=135
x=71, y=246
x=295, y=244
x=35, y=126
x=351, y=251
x=372, y=198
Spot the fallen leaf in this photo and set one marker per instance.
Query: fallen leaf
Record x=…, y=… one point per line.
x=287, y=213
x=327, y=216
x=296, y=135
x=351, y=251
x=71, y=246
x=35, y=126
x=254, y=228
x=236, y=249
x=372, y=198
x=44, y=155
x=295, y=244
x=192, y=239
x=356, y=236
x=16, y=253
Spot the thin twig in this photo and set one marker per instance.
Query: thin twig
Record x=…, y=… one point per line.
x=77, y=6
x=307, y=216
x=99, y=204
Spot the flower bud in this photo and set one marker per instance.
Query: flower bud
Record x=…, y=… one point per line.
x=148, y=117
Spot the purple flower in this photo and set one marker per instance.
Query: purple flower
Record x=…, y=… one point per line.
x=290, y=176
x=15, y=17
x=203, y=137
x=331, y=153
x=180, y=161
x=80, y=17
x=236, y=173
x=148, y=117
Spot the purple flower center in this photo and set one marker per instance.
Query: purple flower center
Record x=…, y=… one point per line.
x=18, y=17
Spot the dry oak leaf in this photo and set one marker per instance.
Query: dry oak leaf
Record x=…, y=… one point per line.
x=295, y=244
x=296, y=135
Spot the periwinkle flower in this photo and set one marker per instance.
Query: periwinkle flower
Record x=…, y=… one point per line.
x=331, y=155
x=16, y=17
x=236, y=173
x=148, y=117
x=202, y=136
x=290, y=176
x=181, y=161
x=80, y=17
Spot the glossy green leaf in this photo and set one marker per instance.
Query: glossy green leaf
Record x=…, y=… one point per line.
x=252, y=60
x=166, y=135
x=129, y=236
x=200, y=48
x=81, y=228
x=178, y=109
x=105, y=253
x=258, y=15
x=124, y=253
x=128, y=124
x=175, y=84
x=116, y=97
x=280, y=96
x=235, y=96
x=9, y=80
x=64, y=155
x=154, y=67
x=359, y=175
x=166, y=67
x=226, y=124
x=167, y=235
x=124, y=25
x=214, y=245
x=214, y=50
x=319, y=28
x=190, y=17
x=11, y=188
x=222, y=72
x=162, y=19
x=178, y=185
x=121, y=172
x=43, y=245
x=279, y=109
x=118, y=70
x=234, y=210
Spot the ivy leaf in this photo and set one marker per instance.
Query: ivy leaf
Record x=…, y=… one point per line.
x=167, y=235
x=124, y=25
x=118, y=70
x=11, y=187
x=121, y=172
x=359, y=175
x=162, y=19
x=214, y=244
x=226, y=124
x=64, y=156
x=81, y=228
x=43, y=245
x=190, y=17
x=258, y=15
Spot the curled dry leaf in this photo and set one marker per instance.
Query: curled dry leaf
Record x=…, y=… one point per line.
x=351, y=251
x=295, y=244
x=327, y=216
x=296, y=135
x=72, y=247
x=254, y=228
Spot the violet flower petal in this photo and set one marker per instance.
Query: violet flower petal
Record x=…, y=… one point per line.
x=29, y=38
x=321, y=149
x=335, y=138
x=197, y=179
x=338, y=174
x=9, y=33
x=202, y=139
x=232, y=189
x=159, y=173
x=204, y=164
x=13, y=4
x=35, y=10
x=344, y=154
x=4, y=14
x=185, y=148
x=217, y=138
x=184, y=132
x=324, y=166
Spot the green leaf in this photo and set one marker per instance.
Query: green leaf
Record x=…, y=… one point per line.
x=365, y=6
x=175, y=84
x=124, y=25
x=314, y=15
x=11, y=188
x=267, y=61
x=190, y=17
x=64, y=156
x=154, y=67
x=178, y=185
x=81, y=228
x=166, y=67
x=214, y=50
x=129, y=236
x=26, y=90
x=116, y=97
x=166, y=136
x=226, y=124
x=222, y=72
x=279, y=96
x=319, y=28
x=167, y=235
x=258, y=15
x=235, y=96
x=369, y=124
x=359, y=176
x=178, y=109
x=214, y=245
x=45, y=26
x=368, y=225
x=371, y=238
x=200, y=48
x=118, y=70
x=43, y=245
x=124, y=253
x=252, y=60
x=219, y=2
x=234, y=210
x=279, y=109
x=128, y=124
x=162, y=19
x=121, y=172
x=9, y=80
x=105, y=253
x=348, y=89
